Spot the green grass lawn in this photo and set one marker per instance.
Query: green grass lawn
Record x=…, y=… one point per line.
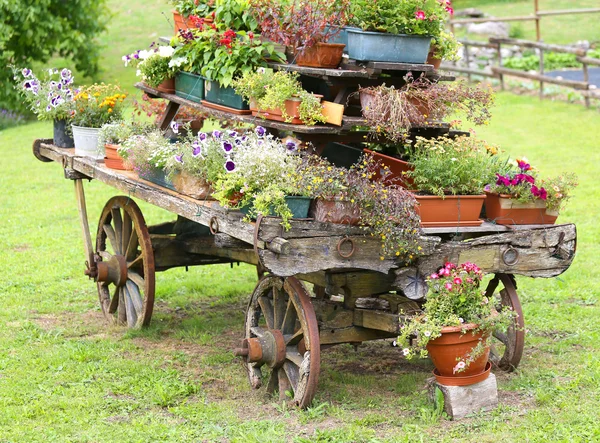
x=65, y=375
x=554, y=29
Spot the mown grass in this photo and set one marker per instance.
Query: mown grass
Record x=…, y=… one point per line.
x=65, y=375
x=566, y=29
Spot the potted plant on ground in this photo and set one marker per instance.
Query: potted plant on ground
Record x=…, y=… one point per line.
x=397, y=31
x=50, y=99
x=455, y=326
x=305, y=27
x=260, y=177
x=95, y=106
x=449, y=176
x=155, y=67
x=279, y=96
x=518, y=197
x=111, y=135
x=420, y=102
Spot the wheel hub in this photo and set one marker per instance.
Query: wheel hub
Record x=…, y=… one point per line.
x=112, y=271
x=268, y=349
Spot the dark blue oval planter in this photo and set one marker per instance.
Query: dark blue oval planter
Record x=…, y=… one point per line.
x=189, y=86
x=384, y=47
x=62, y=138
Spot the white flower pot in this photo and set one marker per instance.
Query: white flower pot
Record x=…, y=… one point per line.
x=86, y=142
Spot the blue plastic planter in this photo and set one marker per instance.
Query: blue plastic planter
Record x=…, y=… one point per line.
x=189, y=86
x=297, y=204
x=342, y=37
x=215, y=93
x=158, y=177
x=383, y=47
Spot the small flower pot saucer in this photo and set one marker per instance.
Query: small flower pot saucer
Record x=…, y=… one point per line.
x=457, y=380
x=452, y=224
x=226, y=108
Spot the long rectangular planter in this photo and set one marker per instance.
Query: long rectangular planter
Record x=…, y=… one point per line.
x=158, y=177
x=384, y=47
x=503, y=210
x=398, y=169
x=452, y=210
x=215, y=93
x=189, y=86
x=299, y=206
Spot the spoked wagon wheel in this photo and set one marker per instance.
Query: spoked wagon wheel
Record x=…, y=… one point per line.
x=282, y=339
x=125, y=264
x=507, y=347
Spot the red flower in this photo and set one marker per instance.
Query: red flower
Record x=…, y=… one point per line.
x=225, y=42
x=449, y=10
x=250, y=35
x=420, y=15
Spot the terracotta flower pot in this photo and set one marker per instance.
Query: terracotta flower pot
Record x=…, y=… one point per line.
x=432, y=59
x=291, y=109
x=335, y=211
x=112, y=158
x=167, y=86
x=398, y=169
x=452, y=210
x=455, y=345
x=191, y=186
x=503, y=210
x=322, y=55
x=180, y=22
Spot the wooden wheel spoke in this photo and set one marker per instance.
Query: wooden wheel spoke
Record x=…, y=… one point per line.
x=284, y=383
x=114, y=301
x=294, y=357
x=129, y=309
x=295, y=338
x=136, y=278
x=289, y=318
x=257, y=331
x=132, y=246
x=267, y=310
x=118, y=227
x=138, y=261
x=105, y=255
x=273, y=382
x=291, y=371
x=122, y=308
x=501, y=336
x=110, y=234
x=126, y=231
x=136, y=297
x=279, y=308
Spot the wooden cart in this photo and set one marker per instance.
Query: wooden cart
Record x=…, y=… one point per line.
x=354, y=295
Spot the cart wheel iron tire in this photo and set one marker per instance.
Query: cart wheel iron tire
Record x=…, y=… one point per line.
x=507, y=347
x=125, y=264
x=282, y=340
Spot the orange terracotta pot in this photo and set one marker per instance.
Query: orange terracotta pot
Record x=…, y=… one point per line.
x=453, y=210
x=335, y=211
x=433, y=60
x=291, y=110
x=398, y=169
x=321, y=55
x=167, y=86
x=180, y=22
x=112, y=158
x=456, y=344
x=503, y=210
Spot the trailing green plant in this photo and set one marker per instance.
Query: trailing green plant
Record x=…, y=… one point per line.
x=394, y=111
x=455, y=298
x=452, y=166
x=445, y=46
x=98, y=104
x=147, y=152
x=117, y=132
x=522, y=184
x=412, y=17
x=51, y=98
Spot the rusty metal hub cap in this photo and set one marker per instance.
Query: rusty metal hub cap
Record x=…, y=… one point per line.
x=268, y=349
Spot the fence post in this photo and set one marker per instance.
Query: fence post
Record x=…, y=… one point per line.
x=468, y=61
x=586, y=78
x=541, y=73
x=500, y=76
x=538, y=33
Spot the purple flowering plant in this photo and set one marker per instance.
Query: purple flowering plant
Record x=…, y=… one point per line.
x=50, y=97
x=455, y=298
x=522, y=184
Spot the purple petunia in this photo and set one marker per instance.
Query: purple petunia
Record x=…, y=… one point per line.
x=227, y=147
x=196, y=149
x=179, y=158
x=260, y=131
x=26, y=72
x=291, y=146
x=65, y=74
x=175, y=127
x=229, y=165
x=232, y=134
x=217, y=134
x=202, y=136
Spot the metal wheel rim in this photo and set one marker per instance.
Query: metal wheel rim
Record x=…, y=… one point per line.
x=133, y=308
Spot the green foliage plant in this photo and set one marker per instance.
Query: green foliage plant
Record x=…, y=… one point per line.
x=37, y=31
x=270, y=90
x=455, y=298
x=222, y=55
x=552, y=61
x=197, y=8
x=153, y=65
x=98, y=104
x=117, y=132
x=445, y=46
x=235, y=14
x=147, y=152
x=520, y=181
x=411, y=17
x=452, y=166
x=51, y=98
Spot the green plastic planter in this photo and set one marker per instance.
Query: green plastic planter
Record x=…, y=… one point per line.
x=297, y=204
x=189, y=86
x=158, y=177
x=390, y=48
x=224, y=96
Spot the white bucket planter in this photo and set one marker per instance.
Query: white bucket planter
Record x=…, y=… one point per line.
x=86, y=142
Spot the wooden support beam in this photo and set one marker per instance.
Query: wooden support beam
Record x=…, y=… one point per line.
x=589, y=60
x=568, y=11
x=464, y=21
x=538, y=45
x=541, y=78
x=471, y=71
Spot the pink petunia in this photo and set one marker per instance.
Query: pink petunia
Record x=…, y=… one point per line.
x=420, y=15
x=434, y=276
x=458, y=281
x=448, y=286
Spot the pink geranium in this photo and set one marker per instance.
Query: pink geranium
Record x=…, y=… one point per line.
x=420, y=15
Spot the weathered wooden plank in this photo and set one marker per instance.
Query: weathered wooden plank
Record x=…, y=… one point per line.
x=172, y=253
x=377, y=320
x=589, y=61
x=351, y=283
x=323, y=72
x=372, y=303
x=351, y=334
x=539, y=77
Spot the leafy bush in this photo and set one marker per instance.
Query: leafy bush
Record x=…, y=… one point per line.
x=36, y=31
x=552, y=61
